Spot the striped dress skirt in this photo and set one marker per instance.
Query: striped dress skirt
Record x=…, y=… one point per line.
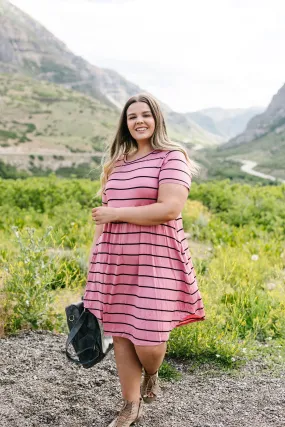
x=141, y=281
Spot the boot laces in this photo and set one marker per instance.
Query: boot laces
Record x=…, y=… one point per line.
x=150, y=382
x=125, y=413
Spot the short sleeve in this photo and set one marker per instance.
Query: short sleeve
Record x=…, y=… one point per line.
x=175, y=170
x=104, y=198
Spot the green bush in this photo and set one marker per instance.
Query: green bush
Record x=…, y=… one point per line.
x=243, y=295
x=29, y=279
x=7, y=134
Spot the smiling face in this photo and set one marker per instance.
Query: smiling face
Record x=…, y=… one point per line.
x=140, y=121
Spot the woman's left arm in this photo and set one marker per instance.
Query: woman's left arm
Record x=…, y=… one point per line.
x=170, y=201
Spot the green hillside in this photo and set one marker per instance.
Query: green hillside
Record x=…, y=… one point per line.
x=37, y=112
x=263, y=141
x=48, y=126
x=268, y=151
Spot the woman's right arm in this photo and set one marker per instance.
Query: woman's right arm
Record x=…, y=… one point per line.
x=97, y=234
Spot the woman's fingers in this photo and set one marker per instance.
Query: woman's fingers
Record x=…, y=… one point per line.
x=94, y=214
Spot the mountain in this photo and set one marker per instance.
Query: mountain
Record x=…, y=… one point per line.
x=271, y=121
x=226, y=123
x=46, y=126
x=29, y=49
x=263, y=141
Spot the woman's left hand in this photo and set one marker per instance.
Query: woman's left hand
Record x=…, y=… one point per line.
x=104, y=215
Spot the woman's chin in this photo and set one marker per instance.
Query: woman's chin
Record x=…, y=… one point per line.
x=143, y=136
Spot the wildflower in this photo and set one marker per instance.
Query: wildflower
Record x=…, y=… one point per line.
x=218, y=355
x=244, y=350
x=233, y=359
x=254, y=257
x=30, y=230
x=15, y=229
x=271, y=286
x=27, y=302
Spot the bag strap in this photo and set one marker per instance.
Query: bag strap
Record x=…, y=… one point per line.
x=78, y=325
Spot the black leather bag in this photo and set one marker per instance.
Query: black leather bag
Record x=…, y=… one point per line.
x=86, y=336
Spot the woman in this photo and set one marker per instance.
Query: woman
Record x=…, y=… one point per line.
x=141, y=282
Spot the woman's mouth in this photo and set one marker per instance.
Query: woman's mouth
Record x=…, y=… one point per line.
x=141, y=130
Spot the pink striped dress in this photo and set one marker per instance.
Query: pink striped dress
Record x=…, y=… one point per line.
x=141, y=282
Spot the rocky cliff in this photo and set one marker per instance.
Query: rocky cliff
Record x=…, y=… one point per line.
x=28, y=48
x=271, y=121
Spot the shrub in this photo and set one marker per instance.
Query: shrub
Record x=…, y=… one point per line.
x=29, y=278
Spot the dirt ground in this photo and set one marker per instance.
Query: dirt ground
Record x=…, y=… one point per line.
x=39, y=387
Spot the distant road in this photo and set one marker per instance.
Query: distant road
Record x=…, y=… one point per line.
x=248, y=166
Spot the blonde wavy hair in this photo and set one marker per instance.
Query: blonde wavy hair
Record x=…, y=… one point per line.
x=124, y=143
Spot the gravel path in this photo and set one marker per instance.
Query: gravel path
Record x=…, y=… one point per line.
x=40, y=388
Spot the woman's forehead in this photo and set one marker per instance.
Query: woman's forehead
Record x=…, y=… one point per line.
x=138, y=107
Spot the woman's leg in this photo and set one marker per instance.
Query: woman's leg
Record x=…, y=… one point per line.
x=129, y=368
x=151, y=357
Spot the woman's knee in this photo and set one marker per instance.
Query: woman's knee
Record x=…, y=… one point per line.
x=120, y=341
x=152, y=351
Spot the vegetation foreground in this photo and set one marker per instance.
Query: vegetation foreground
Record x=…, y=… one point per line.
x=236, y=236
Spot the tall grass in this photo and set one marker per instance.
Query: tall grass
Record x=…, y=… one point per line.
x=31, y=276
x=241, y=278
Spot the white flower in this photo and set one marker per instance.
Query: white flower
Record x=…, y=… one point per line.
x=233, y=359
x=244, y=350
x=15, y=229
x=217, y=355
x=271, y=286
x=27, y=302
x=254, y=257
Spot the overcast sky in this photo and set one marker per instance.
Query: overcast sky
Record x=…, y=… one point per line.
x=189, y=54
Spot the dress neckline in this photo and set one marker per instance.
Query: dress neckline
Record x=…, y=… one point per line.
x=139, y=158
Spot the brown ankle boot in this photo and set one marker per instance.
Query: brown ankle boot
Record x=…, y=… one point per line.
x=149, y=387
x=130, y=413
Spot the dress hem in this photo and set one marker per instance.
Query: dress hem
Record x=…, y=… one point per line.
x=142, y=342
